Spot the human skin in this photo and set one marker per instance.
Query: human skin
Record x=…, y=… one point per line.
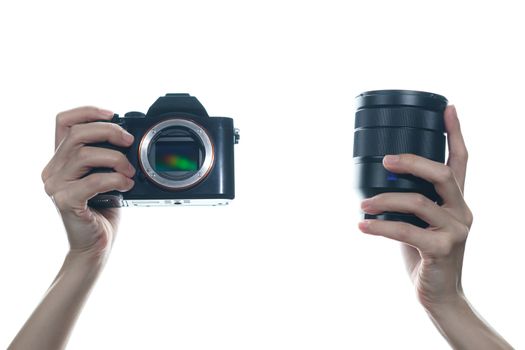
x=434, y=256
x=91, y=232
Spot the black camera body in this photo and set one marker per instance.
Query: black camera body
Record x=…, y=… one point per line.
x=181, y=156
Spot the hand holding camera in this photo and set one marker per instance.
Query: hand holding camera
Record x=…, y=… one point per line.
x=175, y=154
x=65, y=177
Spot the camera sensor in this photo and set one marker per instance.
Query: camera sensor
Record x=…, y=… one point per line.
x=176, y=154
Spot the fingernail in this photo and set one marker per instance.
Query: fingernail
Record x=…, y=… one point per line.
x=363, y=225
x=106, y=113
x=391, y=159
x=127, y=136
x=366, y=204
x=131, y=183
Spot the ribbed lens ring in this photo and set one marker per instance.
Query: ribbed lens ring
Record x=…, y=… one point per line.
x=399, y=117
x=400, y=121
x=381, y=141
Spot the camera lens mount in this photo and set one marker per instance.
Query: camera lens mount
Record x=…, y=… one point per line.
x=194, y=170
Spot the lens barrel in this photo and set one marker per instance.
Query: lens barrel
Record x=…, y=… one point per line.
x=394, y=122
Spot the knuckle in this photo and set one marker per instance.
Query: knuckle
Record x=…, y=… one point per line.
x=112, y=179
x=61, y=200
x=87, y=110
x=44, y=175
x=445, y=174
x=378, y=197
x=48, y=187
x=95, y=179
x=121, y=159
x=461, y=154
x=61, y=118
x=74, y=133
x=420, y=200
x=83, y=154
x=91, y=109
x=115, y=159
x=469, y=217
x=118, y=181
x=461, y=232
x=116, y=130
x=110, y=130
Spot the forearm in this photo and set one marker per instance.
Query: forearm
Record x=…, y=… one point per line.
x=464, y=329
x=51, y=323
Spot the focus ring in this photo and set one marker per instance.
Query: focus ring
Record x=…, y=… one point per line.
x=399, y=117
x=381, y=141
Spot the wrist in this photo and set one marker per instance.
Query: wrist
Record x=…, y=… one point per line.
x=86, y=261
x=463, y=327
x=453, y=307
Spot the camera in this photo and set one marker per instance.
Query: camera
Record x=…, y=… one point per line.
x=181, y=155
x=394, y=122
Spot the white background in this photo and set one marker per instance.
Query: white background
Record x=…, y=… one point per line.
x=284, y=266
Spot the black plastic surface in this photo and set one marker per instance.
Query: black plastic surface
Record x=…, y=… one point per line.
x=408, y=218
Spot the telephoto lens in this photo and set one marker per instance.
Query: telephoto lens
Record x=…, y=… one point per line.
x=395, y=122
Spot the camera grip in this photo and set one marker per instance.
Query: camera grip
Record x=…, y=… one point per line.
x=111, y=199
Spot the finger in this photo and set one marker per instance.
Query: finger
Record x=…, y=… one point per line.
x=411, y=203
x=457, y=151
x=76, y=195
x=67, y=119
x=399, y=231
x=81, y=134
x=440, y=175
x=96, y=157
